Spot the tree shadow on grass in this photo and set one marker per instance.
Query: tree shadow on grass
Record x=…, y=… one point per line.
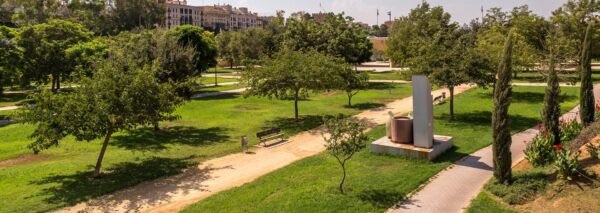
x=150, y=140
x=223, y=96
x=381, y=197
x=380, y=86
x=70, y=189
x=365, y=106
x=290, y=126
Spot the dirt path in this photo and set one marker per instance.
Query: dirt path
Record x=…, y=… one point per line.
x=452, y=189
x=171, y=194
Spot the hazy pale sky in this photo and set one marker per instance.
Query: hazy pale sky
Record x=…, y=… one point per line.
x=366, y=10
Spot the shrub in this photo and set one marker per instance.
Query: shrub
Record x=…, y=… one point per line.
x=540, y=151
x=567, y=163
x=569, y=130
x=524, y=188
x=593, y=150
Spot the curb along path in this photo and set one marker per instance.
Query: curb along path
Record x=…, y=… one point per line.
x=174, y=193
x=453, y=189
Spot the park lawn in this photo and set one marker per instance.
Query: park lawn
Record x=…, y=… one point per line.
x=12, y=99
x=392, y=75
x=209, y=128
x=485, y=203
x=377, y=182
x=220, y=88
x=536, y=77
x=211, y=80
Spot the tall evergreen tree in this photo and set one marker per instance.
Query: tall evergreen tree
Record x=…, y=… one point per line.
x=586, y=98
x=551, y=112
x=500, y=119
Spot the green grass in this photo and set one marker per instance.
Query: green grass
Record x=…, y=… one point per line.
x=377, y=182
x=526, y=184
x=211, y=80
x=12, y=99
x=485, y=203
x=393, y=75
x=209, y=128
x=536, y=77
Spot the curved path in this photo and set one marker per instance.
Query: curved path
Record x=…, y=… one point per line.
x=171, y=194
x=452, y=189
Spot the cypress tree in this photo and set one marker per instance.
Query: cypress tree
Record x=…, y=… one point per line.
x=586, y=97
x=500, y=119
x=551, y=112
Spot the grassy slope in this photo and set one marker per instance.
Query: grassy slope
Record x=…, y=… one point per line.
x=211, y=80
x=564, y=77
x=376, y=182
x=394, y=75
x=12, y=99
x=209, y=128
x=485, y=203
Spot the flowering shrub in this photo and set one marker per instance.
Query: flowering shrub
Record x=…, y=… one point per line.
x=540, y=151
x=593, y=150
x=566, y=163
x=569, y=130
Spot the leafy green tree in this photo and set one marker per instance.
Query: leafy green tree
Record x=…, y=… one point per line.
x=587, y=101
x=120, y=96
x=44, y=50
x=223, y=41
x=36, y=11
x=10, y=58
x=127, y=15
x=571, y=20
x=293, y=75
x=91, y=14
x=429, y=44
x=85, y=56
x=203, y=42
x=344, y=137
x=7, y=10
x=352, y=81
x=337, y=36
x=500, y=118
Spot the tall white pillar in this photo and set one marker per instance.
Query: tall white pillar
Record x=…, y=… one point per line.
x=422, y=112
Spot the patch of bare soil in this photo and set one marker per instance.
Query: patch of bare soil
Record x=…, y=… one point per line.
x=580, y=195
x=23, y=159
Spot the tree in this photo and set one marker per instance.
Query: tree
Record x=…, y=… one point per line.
x=10, y=58
x=571, y=19
x=223, y=41
x=500, y=118
x=293, y=75
x=336, y=36
x=352, y=81
x=120, y=96
x=44, y=50
x=36, y=11
x=343, y=138
x=127, y=15
x=203, y=42
x=587, y=101
x=551, y=112
x=85, y=56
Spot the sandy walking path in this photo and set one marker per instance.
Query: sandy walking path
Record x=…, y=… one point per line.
x=452, y=189
x=174, y=193
x=523, y=84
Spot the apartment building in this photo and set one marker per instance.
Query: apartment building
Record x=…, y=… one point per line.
x=217, y=17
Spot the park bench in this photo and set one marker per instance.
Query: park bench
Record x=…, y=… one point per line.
x=269, y=135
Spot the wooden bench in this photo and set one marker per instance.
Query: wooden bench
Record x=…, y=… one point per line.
x=269, y=135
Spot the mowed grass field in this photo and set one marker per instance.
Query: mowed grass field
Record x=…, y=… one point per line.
x=377, y=182
x=209, y=128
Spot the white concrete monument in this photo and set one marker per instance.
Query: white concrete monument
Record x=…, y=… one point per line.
x=425, y=145
x=422, y=112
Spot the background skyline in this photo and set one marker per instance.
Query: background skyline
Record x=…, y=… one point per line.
x=462, y=11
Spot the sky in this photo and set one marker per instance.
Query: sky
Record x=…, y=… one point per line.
x=462, y=11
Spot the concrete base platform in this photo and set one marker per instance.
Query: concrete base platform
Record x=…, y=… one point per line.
x=385, y=146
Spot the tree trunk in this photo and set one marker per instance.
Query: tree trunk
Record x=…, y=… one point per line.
x=296, y=106
x=53, y=84
x=57, y=82
x=156, y=126
x=343, y=178
x=101, y=155
x=451, y=103
x=349, y=99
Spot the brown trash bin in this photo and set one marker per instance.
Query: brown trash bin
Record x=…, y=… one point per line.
x=402, y=130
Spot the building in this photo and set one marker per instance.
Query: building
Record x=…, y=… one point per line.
x=217, y=17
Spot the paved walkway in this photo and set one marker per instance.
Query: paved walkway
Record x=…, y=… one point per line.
x=524, y=84
x=211, y=94
x=171, y=194
x=453, y=189
x=9, y=108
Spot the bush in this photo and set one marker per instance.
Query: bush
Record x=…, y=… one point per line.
x=524, y=188
x=569, y=130
x=593, y=150
x=567, y=163
x=540, y=152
